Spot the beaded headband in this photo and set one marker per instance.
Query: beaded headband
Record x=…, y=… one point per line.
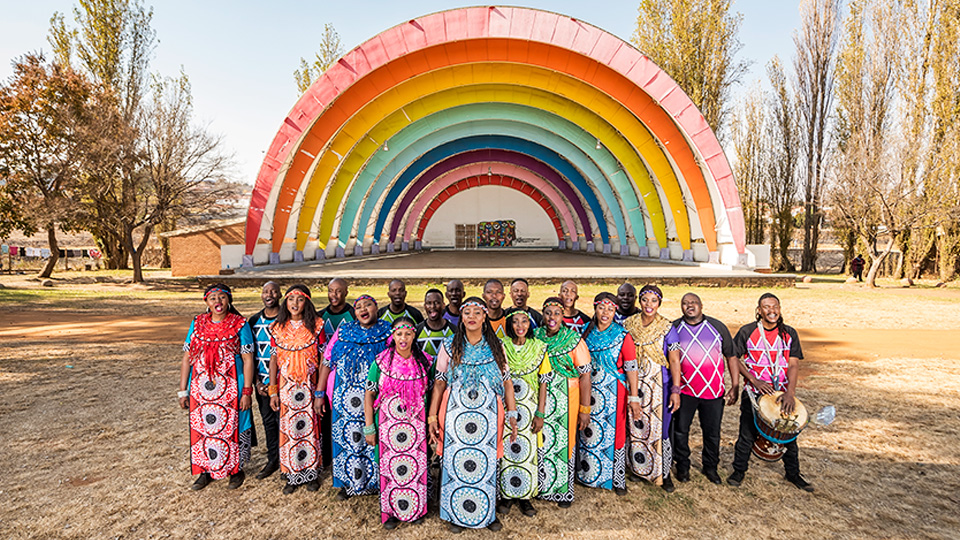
x=552, y=303
x=653, y=292
x=518, y=312
x=364, y=297
x=407, y=325
x=298, y=292
x=216, y=289
x=607, y=301
x=474, y=303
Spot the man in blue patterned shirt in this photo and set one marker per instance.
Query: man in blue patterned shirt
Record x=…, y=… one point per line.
x=259, y=324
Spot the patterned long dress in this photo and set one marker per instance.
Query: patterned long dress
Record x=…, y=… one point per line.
x=569, y=358
x=471, y=423
x=298, y=350
x=400, y=385
x=220, y=433
x=650, y=452
x=349, y=354
x=519, y=466
x=602, y=452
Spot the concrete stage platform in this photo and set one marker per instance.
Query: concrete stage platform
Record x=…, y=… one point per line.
x=475, y=267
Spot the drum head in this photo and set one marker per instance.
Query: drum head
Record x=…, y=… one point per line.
x=769, y=410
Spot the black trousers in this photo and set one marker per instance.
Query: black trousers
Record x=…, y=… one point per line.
x=271, y=427
x=711, y=414
x=749, y=433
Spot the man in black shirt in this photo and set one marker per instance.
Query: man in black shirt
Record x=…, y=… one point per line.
x=520, y=293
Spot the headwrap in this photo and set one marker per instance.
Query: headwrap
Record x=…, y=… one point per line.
x=218, y=289
x=364, y=297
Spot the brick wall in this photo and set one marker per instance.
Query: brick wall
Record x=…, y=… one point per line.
x=198, y=253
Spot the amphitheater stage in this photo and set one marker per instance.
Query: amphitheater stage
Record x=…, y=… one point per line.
x=475, y=267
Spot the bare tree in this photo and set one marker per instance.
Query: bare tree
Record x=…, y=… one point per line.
x=696, y=43
x=816, y=44
x=751, y=152
x=783, y=136
x=331, y=49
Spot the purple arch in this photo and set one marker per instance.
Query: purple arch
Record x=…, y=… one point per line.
x=505, y=156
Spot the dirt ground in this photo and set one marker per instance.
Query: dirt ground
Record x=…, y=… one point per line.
x=93, y=445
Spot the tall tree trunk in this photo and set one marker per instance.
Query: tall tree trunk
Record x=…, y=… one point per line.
x=878, y=261
x=811, y=238
x=47, y=270
x=136, y=252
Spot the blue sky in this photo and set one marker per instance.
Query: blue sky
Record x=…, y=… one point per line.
x=240, y=55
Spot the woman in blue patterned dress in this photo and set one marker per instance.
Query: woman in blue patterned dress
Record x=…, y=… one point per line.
x=466, y=419
x=351, y=350
x=602, y=452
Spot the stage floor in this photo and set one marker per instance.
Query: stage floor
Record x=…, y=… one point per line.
x=534, y=265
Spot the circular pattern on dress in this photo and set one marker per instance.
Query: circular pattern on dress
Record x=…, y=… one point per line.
x=524, y=417
x=640, y=460
x=302, y=455
x=519, y=450
x=549, y=471
x=211, y=387
x=353, y=401
x=214, y=417
x=404, y=504
x=217, y=452
x=360, y=470
x=353, y=436
x=296, y=396
x=395, y=408
x=592, y=435
x=551, y=406
x=402, y=437
x=640, y=428
x=470, y=465
x=646, y=393
x=549, y=436
x=599, y=401
x=299, y=425
x=470, y=505
x=471, y=427
x=521, y=390
x=403, y=469
x=515, y=482
x=472, y=398
x=589, y=467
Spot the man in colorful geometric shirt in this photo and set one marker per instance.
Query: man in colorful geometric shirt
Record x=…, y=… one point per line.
x=432, y=331
x=338, y=311
x=259, y=323
x=398, y=306
x=699, y=347
x=771, y=356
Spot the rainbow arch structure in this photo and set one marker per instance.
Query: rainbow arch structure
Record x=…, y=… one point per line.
x=607, y=144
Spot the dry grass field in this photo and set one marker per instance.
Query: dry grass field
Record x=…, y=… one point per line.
x=93, y=445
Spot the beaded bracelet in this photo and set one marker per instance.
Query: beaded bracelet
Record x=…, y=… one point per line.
x=584, y=409
x=674, y=389
x=273, y=389
x=369, y=429
x=319, y=394
x=247, y=391
x=539, y=414
x=633, y=399
x=432, y=419
x=512, y=414
x=183, y=393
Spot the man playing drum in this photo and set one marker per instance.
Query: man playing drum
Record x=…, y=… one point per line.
x=770, y=352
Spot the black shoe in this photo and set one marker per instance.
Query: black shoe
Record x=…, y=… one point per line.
x=289, y=488
x=564, y=504
x=527, y=509
x=667, y=485
x=417, y=521
x=634, y=478
x=267, y=470
x=712, y=476
x=620, y=491
x=683, y=476
x=313, y=485
x=236, y=480
x=504, y=505
x=342, y=495
x=495, y=526
x=800, y=483
x=201, y=482
x=736, y=478
x=391, y=523
x=455, y=529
